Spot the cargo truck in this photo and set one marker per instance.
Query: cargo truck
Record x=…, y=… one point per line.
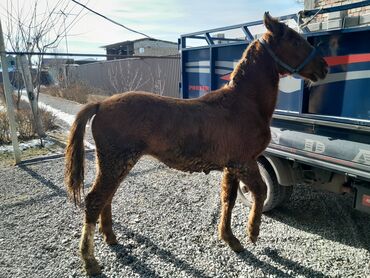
x=320, y=131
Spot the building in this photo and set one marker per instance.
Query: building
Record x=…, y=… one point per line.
x=336, y=20
x=314, y=4
x=141, y=47
x=55, y=62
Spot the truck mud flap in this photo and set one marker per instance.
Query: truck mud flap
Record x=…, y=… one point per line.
x=362, y=197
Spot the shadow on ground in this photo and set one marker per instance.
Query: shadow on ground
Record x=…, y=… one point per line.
x=125, y=257
x=329, y=215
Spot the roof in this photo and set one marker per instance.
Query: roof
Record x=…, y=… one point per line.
x=138, y=40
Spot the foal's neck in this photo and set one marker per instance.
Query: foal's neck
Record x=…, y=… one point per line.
x=256, y=79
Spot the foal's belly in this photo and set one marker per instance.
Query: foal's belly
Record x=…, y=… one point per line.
x=191, y=164
x=191, y=153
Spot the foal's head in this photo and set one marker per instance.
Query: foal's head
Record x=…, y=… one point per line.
x=292, y=53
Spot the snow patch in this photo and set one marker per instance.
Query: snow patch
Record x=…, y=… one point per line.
x=27, y=145
x=68, y=118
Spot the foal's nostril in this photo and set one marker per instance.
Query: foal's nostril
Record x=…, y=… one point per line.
x=325, y=67
x=324, y=72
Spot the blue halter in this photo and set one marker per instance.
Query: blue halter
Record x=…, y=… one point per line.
x=284, y=65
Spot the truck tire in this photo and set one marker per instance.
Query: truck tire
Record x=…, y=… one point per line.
x=276, y=193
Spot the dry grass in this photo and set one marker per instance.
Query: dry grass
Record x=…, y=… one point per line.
x=7, y=158
x=26, y=128
x=78, y=92
x=2, y=95
x=4, y=128
x=96, y=98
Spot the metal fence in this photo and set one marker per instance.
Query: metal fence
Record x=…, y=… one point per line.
x=160, y=75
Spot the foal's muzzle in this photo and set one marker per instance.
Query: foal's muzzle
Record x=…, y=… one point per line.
x=321, y=67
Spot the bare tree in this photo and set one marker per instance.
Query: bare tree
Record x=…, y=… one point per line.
x=159, y=82
x=124, y=76
x=37, y=26
x=128, y=75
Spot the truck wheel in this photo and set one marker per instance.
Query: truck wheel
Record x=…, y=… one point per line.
x=276, y=193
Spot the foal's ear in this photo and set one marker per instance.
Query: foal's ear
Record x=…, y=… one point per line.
x=273, y=25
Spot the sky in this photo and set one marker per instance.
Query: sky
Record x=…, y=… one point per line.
x=161, y=19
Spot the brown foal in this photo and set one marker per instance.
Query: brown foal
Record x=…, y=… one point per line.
x=225, y=130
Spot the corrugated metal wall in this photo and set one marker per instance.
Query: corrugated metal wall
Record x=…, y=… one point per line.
x=160, y=75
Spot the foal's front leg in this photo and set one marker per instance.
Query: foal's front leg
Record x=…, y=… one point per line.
x=252, y=178
x=229, y=188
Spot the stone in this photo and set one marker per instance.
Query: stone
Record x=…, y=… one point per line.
x=351, y=21
x=364, y=19
x=332, y=24
x=337, y=15
x=316, y=26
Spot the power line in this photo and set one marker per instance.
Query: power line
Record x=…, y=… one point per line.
x=85, y=54
x=111, y=20
x=63, y=54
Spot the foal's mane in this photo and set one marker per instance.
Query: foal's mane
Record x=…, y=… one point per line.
x=249, y=60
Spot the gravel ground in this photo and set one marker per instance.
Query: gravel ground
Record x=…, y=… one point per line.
x=166, y=223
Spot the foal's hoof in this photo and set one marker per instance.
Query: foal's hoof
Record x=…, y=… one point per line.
x=253, y=234
x=236, y=246
x=111, y=241
x=253, y=237
x=92, y=267
x=110, y=238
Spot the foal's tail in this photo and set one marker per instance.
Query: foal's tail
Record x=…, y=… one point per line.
x=75, y=153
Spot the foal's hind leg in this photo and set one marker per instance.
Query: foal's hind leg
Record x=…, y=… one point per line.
x=105, y=224
x=105, y=221
x=252, y=178
x=94, y=202
x=229, y=189
x=111, y=173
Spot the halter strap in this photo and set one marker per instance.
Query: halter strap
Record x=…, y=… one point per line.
x=284, y=65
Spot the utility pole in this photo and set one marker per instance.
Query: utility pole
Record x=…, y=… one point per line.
x=9, y=100
x=65, y=29
x=65, y=33
x=65, y=15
